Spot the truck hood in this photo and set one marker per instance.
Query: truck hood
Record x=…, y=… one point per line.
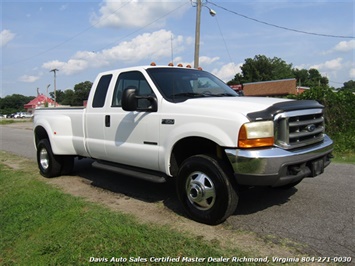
x=218, y=105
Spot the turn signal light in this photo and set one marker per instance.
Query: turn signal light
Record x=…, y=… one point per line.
x=256, y=134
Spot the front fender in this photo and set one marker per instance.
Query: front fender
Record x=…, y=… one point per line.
x=223, y=133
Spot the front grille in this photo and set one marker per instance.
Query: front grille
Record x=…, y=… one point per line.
x=297, y=129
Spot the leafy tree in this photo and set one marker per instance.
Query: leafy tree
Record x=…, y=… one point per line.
x=348, y=86
x=74, y=97
x=59, y=95
x=262, y=68
x=68, y=97
x=309, y=78
x=81, y=93
x=301, y=75
x=14, y=103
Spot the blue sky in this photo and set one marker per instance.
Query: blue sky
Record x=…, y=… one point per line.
x=82, y=38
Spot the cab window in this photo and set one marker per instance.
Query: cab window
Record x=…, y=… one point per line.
x=101, y=91
x=131, y=79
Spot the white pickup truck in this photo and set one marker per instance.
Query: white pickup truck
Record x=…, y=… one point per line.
x=161, y=122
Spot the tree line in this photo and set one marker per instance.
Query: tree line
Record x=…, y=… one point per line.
x=74, y=97
x=15, y=103
x=262, y=68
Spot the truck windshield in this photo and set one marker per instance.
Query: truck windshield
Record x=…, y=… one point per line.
x=180, y=84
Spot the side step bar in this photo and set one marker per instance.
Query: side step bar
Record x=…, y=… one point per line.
x=156, y=177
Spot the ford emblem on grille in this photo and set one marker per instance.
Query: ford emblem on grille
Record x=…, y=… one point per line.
x=311, y=127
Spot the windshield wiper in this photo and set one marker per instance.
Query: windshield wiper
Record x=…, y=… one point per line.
x=220, y=94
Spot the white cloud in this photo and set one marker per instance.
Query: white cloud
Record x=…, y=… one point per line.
x=6, y=36
x=145, y=47
x=53, y=64
x=204, y=60
x=342, y=47
x=345, y=46
x=28, y=78
x=136, y=13
x=352, y=73
x=331, y=65
x=227, y=72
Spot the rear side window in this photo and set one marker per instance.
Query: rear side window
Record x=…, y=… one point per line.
x=101, y=91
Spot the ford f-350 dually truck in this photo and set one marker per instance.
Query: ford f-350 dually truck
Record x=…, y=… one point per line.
x=163, y=122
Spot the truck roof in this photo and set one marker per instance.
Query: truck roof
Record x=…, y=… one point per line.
x=142, y=67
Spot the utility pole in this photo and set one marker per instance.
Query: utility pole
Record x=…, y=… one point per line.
x=197, y=33
x=54, y=70
x=199, y=5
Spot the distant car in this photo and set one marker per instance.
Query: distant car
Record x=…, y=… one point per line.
x=22, y=115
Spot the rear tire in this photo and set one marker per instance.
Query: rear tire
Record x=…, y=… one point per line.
x=49, y=165
x=205, y=191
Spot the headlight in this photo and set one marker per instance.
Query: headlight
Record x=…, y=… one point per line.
x=256, y=134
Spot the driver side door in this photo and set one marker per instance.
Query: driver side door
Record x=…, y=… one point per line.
x=132, y=137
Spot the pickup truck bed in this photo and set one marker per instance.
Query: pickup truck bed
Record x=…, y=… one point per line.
x=69, y=123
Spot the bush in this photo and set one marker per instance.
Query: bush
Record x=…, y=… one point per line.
x=339, y=115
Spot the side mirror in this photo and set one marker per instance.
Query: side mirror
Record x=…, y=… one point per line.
x=129, y=99
x=132, y=102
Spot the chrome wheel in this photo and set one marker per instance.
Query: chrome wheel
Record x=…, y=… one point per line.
x=44, y=159
x=200, y=191
x=204, y=189
x=49, y=165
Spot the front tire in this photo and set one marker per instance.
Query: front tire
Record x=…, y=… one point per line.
x=49, y=165
x=205, y=191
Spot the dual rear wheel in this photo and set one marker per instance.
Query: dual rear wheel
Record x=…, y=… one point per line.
x=51, y=165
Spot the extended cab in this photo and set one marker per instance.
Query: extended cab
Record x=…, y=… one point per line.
x=158, y=122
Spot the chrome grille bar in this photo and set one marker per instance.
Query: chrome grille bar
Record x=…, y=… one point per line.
x=297, y=129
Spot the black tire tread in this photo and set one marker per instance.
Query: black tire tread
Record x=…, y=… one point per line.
x=55, y=162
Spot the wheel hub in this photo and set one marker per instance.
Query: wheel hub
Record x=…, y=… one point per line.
x=200, y=191
x=196, y=192
x=44, y=159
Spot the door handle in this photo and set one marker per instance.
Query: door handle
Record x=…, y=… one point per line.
x=107, y=120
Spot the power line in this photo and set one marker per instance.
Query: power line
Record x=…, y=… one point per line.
x=87, y=29
x=282, y=27
x=225, y=44
x=141, y=28
x=337, y=82
x=70, y=38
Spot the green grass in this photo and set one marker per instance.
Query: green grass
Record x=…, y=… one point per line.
x=344, y=147
x=11, y=121
x=40, y=225
x=344, y=158
x=6, y=121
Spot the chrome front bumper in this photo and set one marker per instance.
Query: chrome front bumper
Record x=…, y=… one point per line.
x=277, y=167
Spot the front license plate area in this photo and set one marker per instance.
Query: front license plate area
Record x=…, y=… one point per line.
x=317, y=167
